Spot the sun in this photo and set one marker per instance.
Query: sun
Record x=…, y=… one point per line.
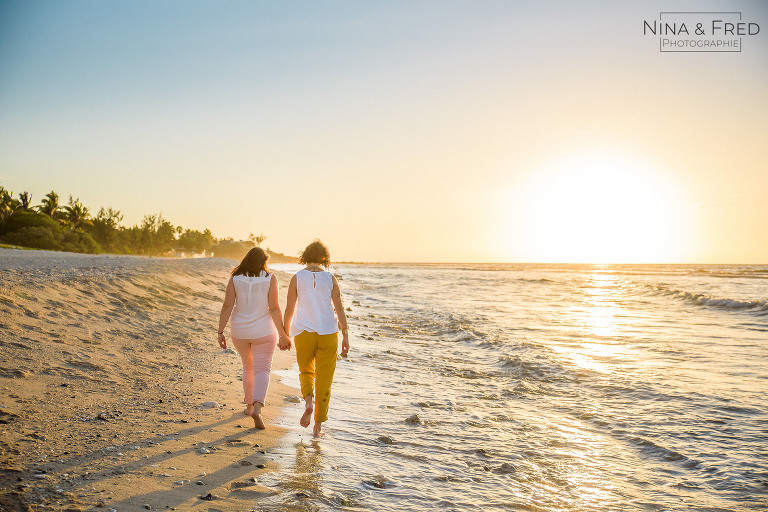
x=598, y=208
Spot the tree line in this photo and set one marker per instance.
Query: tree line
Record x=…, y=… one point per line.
x=72, y=227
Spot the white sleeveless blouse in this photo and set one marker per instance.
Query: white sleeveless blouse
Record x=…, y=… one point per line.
x=314, y=310
x=251, y=318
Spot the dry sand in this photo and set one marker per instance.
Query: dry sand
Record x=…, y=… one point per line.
x=105, y=362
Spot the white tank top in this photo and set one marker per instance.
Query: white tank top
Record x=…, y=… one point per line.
x=314, y=310
x=251, y=318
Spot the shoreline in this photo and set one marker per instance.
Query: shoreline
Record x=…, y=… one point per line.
x=105, y=367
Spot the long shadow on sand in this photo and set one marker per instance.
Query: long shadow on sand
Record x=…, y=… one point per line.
x=233, y=466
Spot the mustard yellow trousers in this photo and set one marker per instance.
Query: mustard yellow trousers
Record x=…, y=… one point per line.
x=316, y=356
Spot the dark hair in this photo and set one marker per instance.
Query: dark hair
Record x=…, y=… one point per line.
x=316, y=252
x=253, y=263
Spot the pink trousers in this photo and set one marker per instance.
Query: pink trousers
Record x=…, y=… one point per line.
x=257, y=363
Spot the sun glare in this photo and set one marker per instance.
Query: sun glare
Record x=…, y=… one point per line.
x=597, y=209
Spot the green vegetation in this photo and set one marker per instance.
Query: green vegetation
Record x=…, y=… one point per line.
x=71, y=227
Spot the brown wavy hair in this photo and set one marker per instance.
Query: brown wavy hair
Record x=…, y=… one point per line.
x=316, y=252
x=253, y=263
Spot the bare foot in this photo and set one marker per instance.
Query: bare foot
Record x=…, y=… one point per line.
x=248, y=410
x=318, y=430
x=258, y=421
x=307, y=416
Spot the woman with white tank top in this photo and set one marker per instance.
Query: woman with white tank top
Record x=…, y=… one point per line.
x=251, y=300
x=313, y=315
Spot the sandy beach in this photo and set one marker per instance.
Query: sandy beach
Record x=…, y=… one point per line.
x=107, y=362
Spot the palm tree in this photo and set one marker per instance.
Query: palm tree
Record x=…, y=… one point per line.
x=147, y=232
x=8, y=204
x=258, y=240
x=75, y=212
x=26, y=200
x=50, y=204
x=109, y=217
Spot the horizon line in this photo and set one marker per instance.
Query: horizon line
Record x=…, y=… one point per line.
x=525, y=263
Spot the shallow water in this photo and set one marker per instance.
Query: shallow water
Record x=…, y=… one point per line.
x=535, y=387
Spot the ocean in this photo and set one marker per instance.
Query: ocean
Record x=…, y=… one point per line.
x=541, y=388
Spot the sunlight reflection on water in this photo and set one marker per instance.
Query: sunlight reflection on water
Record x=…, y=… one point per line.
x=535, y=389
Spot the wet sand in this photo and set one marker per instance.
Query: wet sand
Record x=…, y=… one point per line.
x=105, y=364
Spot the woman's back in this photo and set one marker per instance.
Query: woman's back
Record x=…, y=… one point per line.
x=314, y=311
x=250, y=317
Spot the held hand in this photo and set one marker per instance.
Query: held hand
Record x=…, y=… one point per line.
x=222, y=341
x=284, y=343
x=345, y=344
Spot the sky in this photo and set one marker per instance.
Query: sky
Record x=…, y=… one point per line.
x=426, y=131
